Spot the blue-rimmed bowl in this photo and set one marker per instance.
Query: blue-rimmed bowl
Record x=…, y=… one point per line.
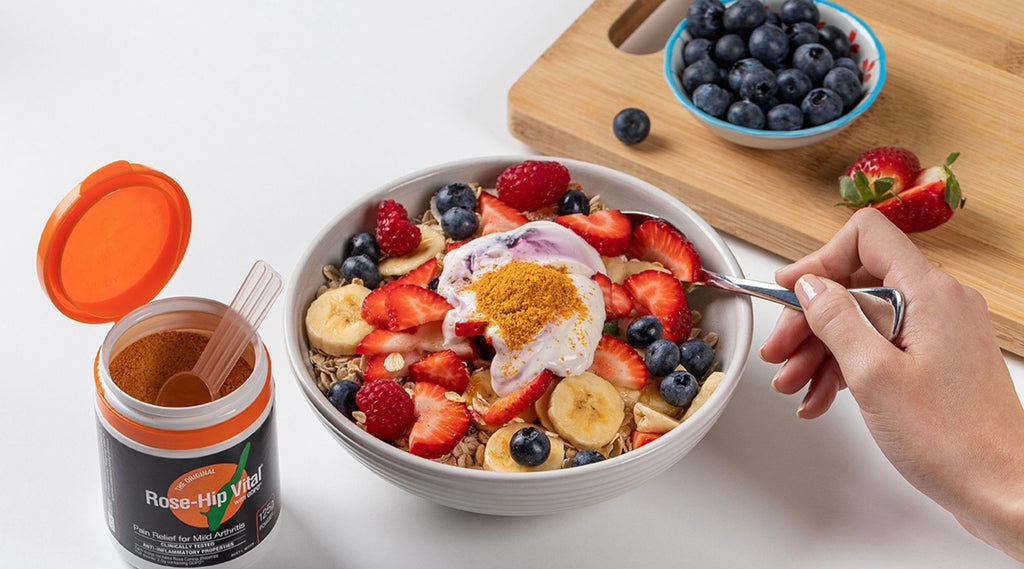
x=865, y=49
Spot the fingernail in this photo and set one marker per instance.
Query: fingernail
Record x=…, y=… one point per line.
x=775, y=378
x=800, y=410
x=810, y=286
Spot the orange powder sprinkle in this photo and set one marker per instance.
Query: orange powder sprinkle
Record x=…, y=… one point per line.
x=521, y=298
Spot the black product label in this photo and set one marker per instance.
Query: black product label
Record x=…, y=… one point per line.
x=192, y=512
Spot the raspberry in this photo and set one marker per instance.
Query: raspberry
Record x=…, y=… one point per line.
x=532, y=184
x=396, y=235
x=388, y=408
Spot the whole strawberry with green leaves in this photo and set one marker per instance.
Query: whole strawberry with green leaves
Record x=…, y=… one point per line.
x=890, y=180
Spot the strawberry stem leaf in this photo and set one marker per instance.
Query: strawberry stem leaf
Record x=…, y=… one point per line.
x=952, y=194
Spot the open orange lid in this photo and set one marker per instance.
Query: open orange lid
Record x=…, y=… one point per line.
x=113, y=242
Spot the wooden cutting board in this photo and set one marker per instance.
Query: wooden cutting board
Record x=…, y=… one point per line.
x=955, y=83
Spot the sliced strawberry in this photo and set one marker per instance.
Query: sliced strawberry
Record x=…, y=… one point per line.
x=640, y=438
x=470, y=329
x=661, y=295
x=425, y=338
x=440, y=422
x=884, y=171
x=506, y=408
x=931, y=201
x=454, y=245
x=375, y=307
x=444, y=368
x=375, y=369
x=656, y=240
x=420, y=276
x=607, y=230
x=618, y=302
x=619, y=364
x=497, y=216
x=411, y=305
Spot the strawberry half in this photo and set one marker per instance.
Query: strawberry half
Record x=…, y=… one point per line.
x=411, y=305
x=440, y=422
x=931, y=201
x=607, y=230
x=640, y=438
x=375, y=368
x=884, y=170
x=508, y=407
x=444, y=368
x=497, y=216
x=420, y=276
x=656, y=240
x=661, y=295
x=619, y=364
x=425, y=338
x=618, y=303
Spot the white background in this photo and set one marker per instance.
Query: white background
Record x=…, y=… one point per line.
x=273, y=116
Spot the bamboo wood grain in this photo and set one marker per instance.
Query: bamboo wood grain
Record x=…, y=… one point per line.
x=940, y=96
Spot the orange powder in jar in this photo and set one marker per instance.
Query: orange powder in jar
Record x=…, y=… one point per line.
x=143, y=366
x=521, y=298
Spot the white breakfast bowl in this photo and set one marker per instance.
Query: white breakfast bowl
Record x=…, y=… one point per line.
x=529, y=493
x=868, y=54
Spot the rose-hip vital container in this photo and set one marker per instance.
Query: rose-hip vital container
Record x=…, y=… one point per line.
x=182, y=486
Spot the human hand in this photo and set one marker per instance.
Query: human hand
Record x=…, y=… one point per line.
x=939, y=400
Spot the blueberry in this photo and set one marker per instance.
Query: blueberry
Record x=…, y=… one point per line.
x=741, y=68
x=704, y=19
x=661, y=357
x=459, y=223
x=364, y=244
x=455, y=194
x=342, y=394
x=712, y=99
x=814, y=60
x=363, y=268
x=793, y=11
x=696, y=49
x=785, y=117
x=773, y=18
x=742, y=16
x=837, y=43
x=845, y=83
x=529, y=446
x=701, y=72
x=746, y=114
x=642, y=331
x=573, y=201
x=679, y=388
x=729, y=49
x=849, y=64
x=769, y=44
x=758, y=86
x=801, y=33
x=586, y=456
x=793, y=85
x=631, y=126
x=696, y=355
x=821, y=106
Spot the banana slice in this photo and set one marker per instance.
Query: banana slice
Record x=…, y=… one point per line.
x=650, y=396
x=650, y=421
x=541, y=408
x=497, y=456
x=431, y=243
x=333, y=323
x=620, y=268
x=586, y=410
x=706, y=389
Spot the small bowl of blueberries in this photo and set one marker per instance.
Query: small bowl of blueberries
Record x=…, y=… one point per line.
x=776, y=74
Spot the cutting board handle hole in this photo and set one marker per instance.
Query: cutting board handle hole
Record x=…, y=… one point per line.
x=644, y=27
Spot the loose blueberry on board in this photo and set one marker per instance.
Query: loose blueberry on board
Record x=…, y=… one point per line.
x=793, y=85
x=632, y=125
x=745, y=114
x=742, y=16
x=729, y=49
x=801, y=33
x=701, y=72
x=529, y=446
x=821, y=106
x=679, y=388
x=698, y=48
x=342, y=394
x=643, y=331
x=364, y=244
x=741, y=68
x=459, y=223
x=712, y=99
x=813, y=59
x=795, y=11
x=363, y=268
x=696, y=355
x=845, y=83
x=758, y=86
x=769, y=44
x=785, y=117
x=661, y=357
x=586, y=456
x=704, y=19
x=835, y=41
x=573, y=201
x=456, y=194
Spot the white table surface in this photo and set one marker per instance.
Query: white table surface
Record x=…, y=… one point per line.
x=272, y=116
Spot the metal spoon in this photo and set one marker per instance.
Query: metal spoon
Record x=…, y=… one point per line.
x=236, y=330
x=883, y=306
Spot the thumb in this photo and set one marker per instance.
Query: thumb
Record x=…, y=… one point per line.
x=836, y=318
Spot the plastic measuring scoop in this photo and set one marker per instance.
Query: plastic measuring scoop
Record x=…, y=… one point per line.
x=236, y=330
